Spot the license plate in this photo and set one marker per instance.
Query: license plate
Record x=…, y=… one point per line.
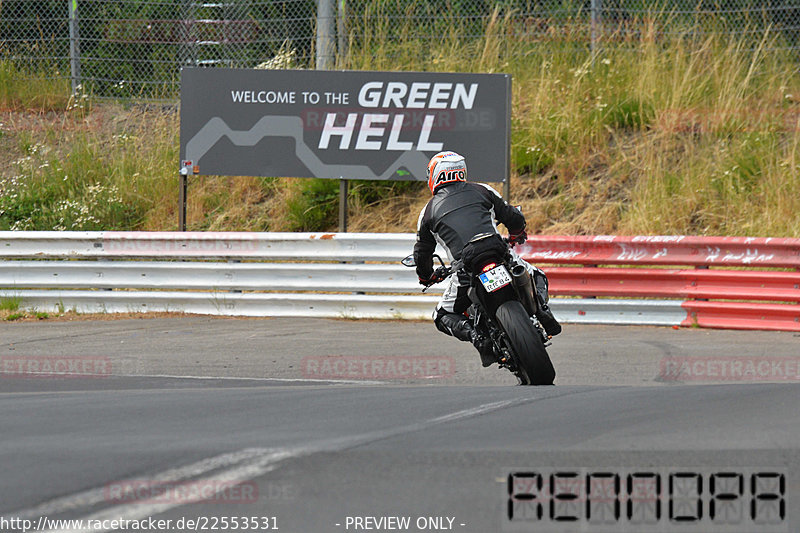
x=496, y=278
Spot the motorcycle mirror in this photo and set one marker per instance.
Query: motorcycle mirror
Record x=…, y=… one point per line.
x=409, y=261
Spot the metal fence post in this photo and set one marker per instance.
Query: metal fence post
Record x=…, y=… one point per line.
x=326, y=30
x=341, y=30
x=187, y=53
x=74, y=48
x=597, y=6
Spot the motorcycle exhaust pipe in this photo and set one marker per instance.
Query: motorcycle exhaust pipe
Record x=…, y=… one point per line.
x=521, y=280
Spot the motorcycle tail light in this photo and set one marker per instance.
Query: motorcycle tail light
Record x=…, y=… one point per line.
x=488, y=267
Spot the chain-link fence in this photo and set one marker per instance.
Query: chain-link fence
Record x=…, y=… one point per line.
x=136, y=47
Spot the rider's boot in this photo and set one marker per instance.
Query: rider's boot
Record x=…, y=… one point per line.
x=544, y=314
x=461, y=328
x=484, y=346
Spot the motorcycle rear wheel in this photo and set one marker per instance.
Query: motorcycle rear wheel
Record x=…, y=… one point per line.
x=535, y=367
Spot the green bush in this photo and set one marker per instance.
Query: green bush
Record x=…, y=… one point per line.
x=315, y=207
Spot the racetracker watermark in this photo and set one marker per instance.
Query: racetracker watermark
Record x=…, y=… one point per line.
x=732, y=368
x=133, y=243
x=380, y=367
x=182, y=492
x=46, y=366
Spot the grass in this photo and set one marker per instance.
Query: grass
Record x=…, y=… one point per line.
x=680, y=133
x=42, y=90
x=19, y=315
x=85, y=169
x=10, y=303
x=10, y=310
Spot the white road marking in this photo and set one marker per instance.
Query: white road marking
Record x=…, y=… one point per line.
x=96, y=496
x=229, y=378
x=288, y=380
x=235, y=467
x=261, y=463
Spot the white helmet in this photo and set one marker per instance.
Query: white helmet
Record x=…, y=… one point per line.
x=446, y=167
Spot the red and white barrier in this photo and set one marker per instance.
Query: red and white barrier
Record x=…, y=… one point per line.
x=742, y=315
x=613, y=267
x=664, y=250
x=674, y=283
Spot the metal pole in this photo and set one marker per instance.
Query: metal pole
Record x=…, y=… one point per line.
x=344, y=185
x=74, y=49
x=597, y=6
x=341, y=30
x=182, y=202
x=325, y=34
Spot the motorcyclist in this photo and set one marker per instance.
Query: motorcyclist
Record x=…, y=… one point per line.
x=457, y=212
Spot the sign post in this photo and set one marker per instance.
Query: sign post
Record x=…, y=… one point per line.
x=344, y=189
x=182, y=202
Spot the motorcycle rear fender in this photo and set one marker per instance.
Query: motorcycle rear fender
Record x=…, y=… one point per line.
x=490, y=301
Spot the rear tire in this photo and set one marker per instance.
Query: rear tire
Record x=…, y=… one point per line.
x=534, y=363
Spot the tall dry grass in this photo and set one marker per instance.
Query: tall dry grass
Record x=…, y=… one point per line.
x=679, y=135
x=687, y=132
x=42, y=90
x=681, y=131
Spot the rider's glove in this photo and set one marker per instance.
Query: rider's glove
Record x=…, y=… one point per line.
x=518, y=237
x=435, y=277
x=427, y=280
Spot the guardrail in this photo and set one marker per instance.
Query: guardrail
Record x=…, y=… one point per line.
x=347, y=275
x=207, y=245
x=711, y=279
x=664, y=250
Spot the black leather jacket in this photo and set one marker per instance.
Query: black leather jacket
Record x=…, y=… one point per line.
x=456, y=213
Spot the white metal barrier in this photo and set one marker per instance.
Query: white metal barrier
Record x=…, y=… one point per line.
x=263, y=246
x=205, y=276
x=246, y=274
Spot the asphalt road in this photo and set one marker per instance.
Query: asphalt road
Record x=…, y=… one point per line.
x=336, y=425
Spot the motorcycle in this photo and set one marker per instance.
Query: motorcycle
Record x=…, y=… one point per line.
x=503, y=306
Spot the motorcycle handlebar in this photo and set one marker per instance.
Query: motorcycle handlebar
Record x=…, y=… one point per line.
x=440, y=274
